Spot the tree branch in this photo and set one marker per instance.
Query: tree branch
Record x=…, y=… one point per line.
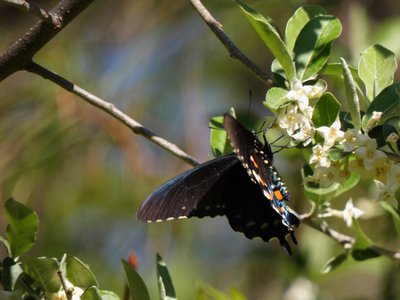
x=347, y=241
x=340, y=238
x=20, y=54
x=233, y=50
x=110, y=109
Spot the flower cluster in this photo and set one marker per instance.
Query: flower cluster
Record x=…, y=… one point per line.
x=359, y=152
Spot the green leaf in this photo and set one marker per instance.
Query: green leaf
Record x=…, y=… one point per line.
x=364, y=253
x=362, y=241
x=236, y=294
x=312, y=47
x=394, y=213
x=299, y=19
x=376, y=68
x=9, y=273
x=165, y=285
x=326, y=110
x=108, y=295
x=206, y=291
x=218, y=138
x=15, y=295
x=278, y=74
x=275, y=98
x=137, y=287
x=387, y=102
x=363, y=247
x=91, y=293
x=336, y=69
x=44, y=271
x=353, y=102
x=334, y=262
x=22, y=227
x=271, y=38
x=347, y=185
x=79, y=273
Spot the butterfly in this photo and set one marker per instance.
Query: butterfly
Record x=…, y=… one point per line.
x=244, y=186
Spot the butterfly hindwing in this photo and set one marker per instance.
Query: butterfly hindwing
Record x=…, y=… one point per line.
x=180, y=197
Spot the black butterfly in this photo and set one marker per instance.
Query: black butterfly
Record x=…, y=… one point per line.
x=243, y=186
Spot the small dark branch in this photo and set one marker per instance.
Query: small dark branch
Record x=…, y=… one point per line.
x=234, y=51
x=68, y=292
x=346, y=241
x=32, y=8
x=20, y=54
x=338, y=237
x=110, y=109
x=388, y=253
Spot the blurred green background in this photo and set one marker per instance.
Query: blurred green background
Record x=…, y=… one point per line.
x=86, y=175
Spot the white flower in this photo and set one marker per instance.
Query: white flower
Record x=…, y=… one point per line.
x=351, y=212
x=326, y=176
x=290, y=120
x=352, y=139
x=76, y=292
x=387, y=192
x=320, y=156
x=331, y=134
x=369, y=154
x=301, y=94
x=305, y=132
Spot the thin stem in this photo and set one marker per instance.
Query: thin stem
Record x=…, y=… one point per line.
x=68, y=292
x=233, y=50
x=110, y=109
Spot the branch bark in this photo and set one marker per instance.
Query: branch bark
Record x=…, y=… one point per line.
x=110, y=109
x=233, y=50
x=20, y=54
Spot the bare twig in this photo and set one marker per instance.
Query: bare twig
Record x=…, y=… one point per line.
x=20, y=54
x=32, y=8
x=338, y=237
x=347, y=241
x=68, y=292
x=110, y=109
x=234, y=51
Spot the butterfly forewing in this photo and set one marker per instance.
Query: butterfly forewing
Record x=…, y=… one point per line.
x=257, y=160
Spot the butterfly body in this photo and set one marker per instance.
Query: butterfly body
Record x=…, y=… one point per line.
x=244, y=187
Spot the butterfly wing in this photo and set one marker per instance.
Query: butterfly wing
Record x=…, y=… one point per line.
x=257, y=160
x=196, y=192
x=248, y=211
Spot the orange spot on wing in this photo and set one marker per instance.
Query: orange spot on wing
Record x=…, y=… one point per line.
x=278, y=195
x=253, y=161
